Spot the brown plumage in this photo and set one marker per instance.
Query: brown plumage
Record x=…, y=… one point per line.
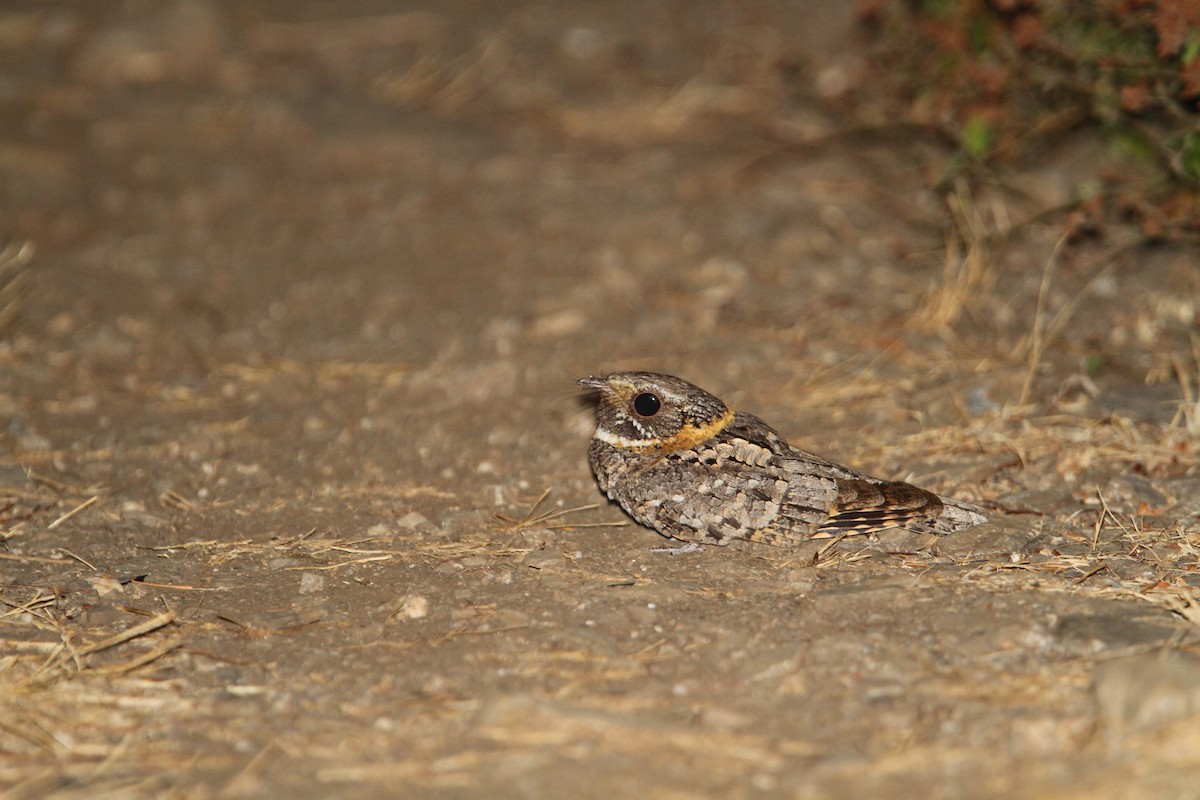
x=680, y=461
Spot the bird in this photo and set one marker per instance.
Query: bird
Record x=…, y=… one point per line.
x=680, y=461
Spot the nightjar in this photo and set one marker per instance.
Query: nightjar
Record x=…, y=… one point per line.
x=680, y=461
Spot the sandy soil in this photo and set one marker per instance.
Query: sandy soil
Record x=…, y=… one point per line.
x=293, y=490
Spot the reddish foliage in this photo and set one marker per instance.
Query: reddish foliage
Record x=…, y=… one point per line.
x=1183, y=207
x=1135, y=97
x=1026, y=30
x=1004, y=77
x=1173, y=20
x=1013, y=6
x=1191, y=80
x=943, y=36
x=992, y=78
x=869, y=12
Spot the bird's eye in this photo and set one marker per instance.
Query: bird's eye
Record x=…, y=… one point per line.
x=647, y=404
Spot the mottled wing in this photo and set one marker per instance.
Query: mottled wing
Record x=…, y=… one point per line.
x=811, y=483
x=867, y=506
x=745, y=483
x=751, y=428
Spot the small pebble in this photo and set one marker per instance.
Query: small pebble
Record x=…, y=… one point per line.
x=414, y=607
x=311, y=582
x=413, y=520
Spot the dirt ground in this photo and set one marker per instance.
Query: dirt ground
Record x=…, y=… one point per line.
x=294, y=499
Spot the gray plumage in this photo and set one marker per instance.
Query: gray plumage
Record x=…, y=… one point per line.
x=678, y=460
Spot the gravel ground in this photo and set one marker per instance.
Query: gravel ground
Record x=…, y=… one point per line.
x=294, y=498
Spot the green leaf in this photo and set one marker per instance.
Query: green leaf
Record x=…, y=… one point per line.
x=977, y=136
x=1189, y=155
x=1191, y=49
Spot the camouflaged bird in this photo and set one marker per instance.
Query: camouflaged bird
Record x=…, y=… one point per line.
x=680, y=461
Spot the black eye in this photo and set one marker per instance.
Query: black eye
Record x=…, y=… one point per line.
x=647, y=404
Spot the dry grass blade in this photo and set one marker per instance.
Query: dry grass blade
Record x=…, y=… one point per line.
x=1105, y=512
x=1187, y=607
x=52, y=700
x=31, y=559
x=965, y=276
x=173, y=499
x=1037, y=337
x=38, y=601
x=348, y=563
x=532, y=519
x=150, y=625
x=13, y=276
x=1188, y=377
x=68, y=660
x=74, y=511
x=1046, y=331
x=140, y=661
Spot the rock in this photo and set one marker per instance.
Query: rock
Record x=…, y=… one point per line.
x=544, y=559
x=1135, y=694
x=996, y=539
x=311, y=583
x=1094, y=633
x=414, y=520
x=414, y=607
x=181, y=40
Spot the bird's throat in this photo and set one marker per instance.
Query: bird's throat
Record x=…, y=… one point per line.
x=688, y=436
